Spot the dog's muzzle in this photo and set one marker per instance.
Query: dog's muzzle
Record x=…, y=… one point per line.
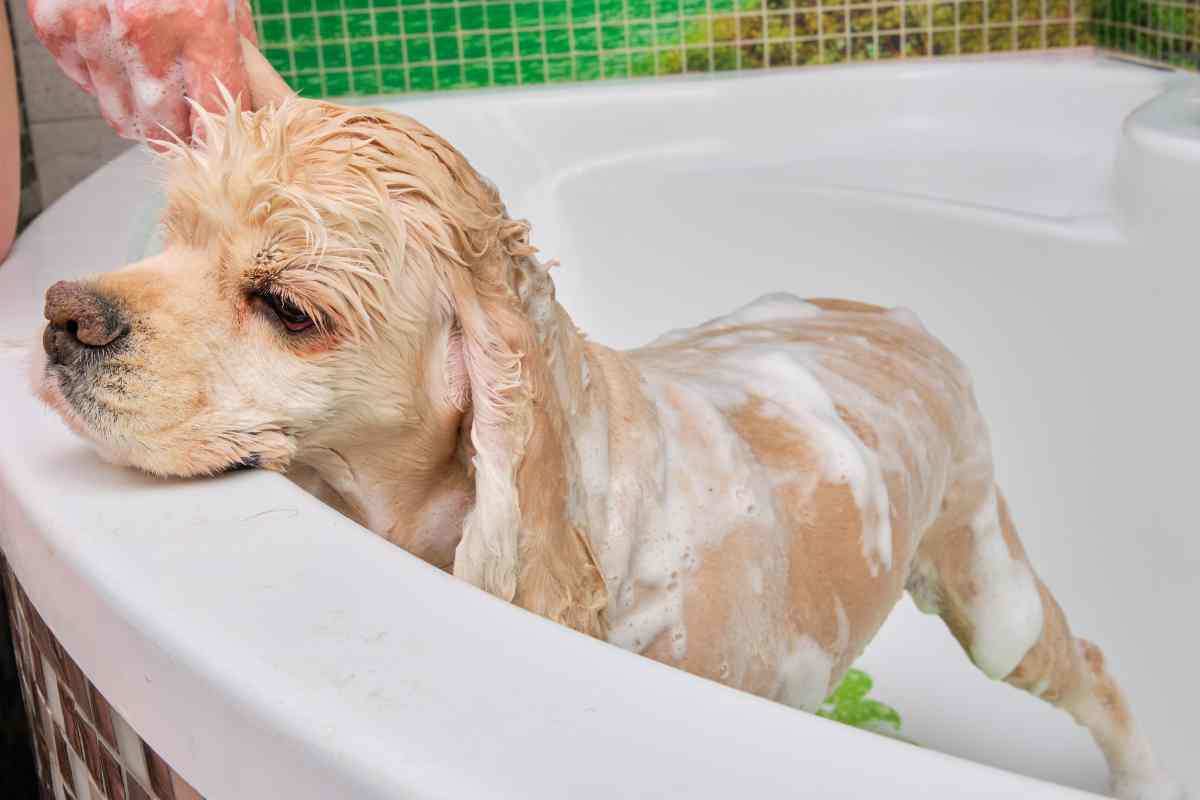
x=80, y=322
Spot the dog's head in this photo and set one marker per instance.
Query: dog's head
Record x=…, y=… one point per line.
x=330, y=273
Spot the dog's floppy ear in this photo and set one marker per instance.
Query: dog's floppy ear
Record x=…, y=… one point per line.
x=520, y=542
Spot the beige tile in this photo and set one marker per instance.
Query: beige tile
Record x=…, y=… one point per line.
x=66, y=152
x=49, y=94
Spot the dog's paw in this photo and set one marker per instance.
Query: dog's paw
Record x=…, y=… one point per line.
x=1156, y=786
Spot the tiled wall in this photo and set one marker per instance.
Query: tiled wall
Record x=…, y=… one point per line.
x=1160, y=30
x=333, y=47
x=84, y=749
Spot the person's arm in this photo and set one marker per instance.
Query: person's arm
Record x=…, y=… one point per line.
x=10, y=142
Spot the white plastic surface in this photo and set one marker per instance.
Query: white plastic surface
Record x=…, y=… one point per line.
x=270, y=648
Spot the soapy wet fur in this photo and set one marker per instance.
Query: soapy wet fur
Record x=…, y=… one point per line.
x=746, y=500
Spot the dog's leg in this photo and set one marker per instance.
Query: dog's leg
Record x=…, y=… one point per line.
x=977, y=578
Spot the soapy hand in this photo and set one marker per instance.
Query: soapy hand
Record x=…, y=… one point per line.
x=142, y=59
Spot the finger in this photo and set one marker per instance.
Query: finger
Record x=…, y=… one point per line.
x=112, y=95
x=266, y=85
x=72, y=63
x=213, y=64
x=245, y=22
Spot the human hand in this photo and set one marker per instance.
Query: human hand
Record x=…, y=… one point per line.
x=143, y=59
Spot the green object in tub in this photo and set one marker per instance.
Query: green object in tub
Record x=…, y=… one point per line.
x=850, y=705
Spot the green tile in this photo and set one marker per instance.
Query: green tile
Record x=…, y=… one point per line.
x=309, y=86
x=331, y=26
x=640, y=9
x=392, y=80
x=444, y=20
x=362, y=54
x=809, y=52
x=337, y=83
x=418, y=51
x=391, y=51
x=587, y=68
x=334, y=55
x=558, y=40
x=504, y=73
x=699, y=59
x=502, y=45
x=303, y=29
x=475, y=46
x=416, y=22
x=356, y=4
x=752, y=56
x=584, y=11
x=611, y=11
x=529, y=43
x=299, y=6
x=667, y=33
x=555, y=13
x=612, y=37
x=499, y=17
x=274, y=31
x=366, y=82
x=280, y=58
x=666, y=9
x=471, y=18
x=387, y=23
x=266, y=7
x=695, y=8
x=359, y=26
x=668, y=62
x=476, y=76
x=944, y=43
x=641, y=34
x=585, y=40
x=307, y=58
x=641, y=64
x=449, y=76
x=1000, y=39
x=421, y=79
x=615, y=66
x=559, y=69
x=528, y=16
x=834, y=51
x=446, y=48
x=329, y=5
x=532, y=72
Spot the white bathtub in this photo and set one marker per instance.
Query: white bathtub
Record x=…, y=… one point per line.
x=269, y=648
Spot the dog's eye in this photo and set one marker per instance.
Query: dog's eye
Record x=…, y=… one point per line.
x=292, y=317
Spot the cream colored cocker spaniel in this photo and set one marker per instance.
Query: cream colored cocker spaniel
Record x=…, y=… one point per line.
x=344, y=299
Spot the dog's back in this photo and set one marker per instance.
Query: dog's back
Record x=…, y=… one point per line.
x=800, y=449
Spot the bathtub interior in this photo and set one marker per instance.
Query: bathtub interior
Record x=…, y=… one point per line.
x=979, y=196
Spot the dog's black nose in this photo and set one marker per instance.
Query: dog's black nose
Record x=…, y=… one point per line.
x=80, y=319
